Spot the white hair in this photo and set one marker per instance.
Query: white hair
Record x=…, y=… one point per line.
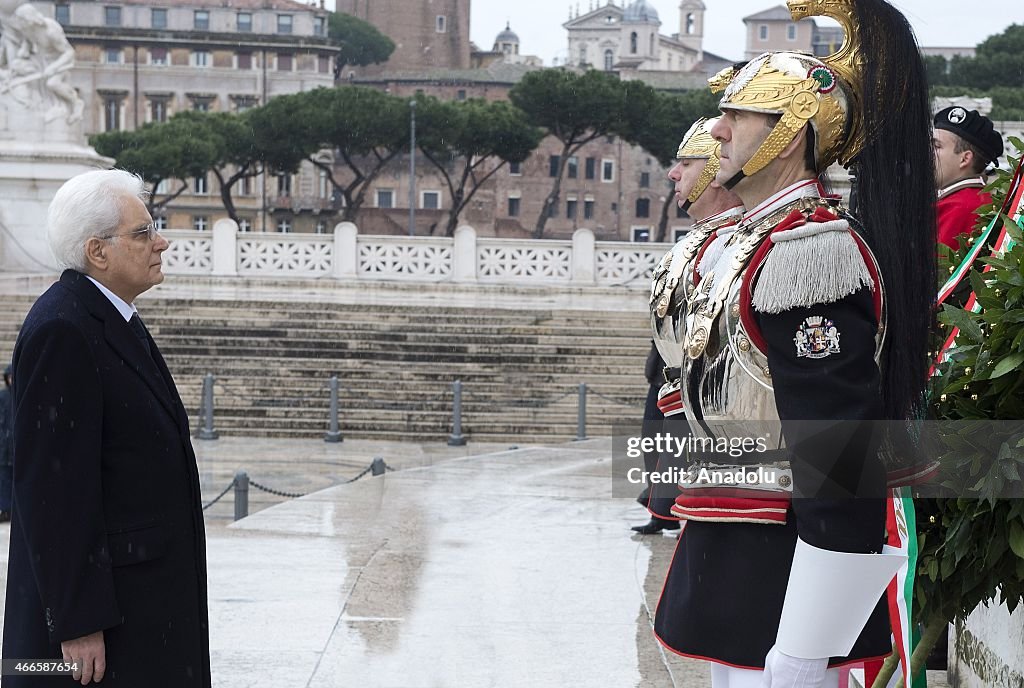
x=88, y=205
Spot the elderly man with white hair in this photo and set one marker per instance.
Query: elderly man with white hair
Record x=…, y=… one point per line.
x=107, y=565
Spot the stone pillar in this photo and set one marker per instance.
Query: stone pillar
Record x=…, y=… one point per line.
x=346, y=251
x=464, y=255
x=584, y=257
x=225, y=247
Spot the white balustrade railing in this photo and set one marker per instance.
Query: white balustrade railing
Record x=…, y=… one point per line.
x=462, y=258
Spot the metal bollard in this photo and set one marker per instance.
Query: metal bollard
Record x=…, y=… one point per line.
x=581, y=413
x=377, y=467
x=241, y=495
x=456, y=439
x=207, y=432
x=333, y=434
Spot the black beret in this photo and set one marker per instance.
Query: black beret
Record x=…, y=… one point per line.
x=972, y=127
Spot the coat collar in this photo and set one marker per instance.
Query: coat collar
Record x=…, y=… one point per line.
x=122, y=339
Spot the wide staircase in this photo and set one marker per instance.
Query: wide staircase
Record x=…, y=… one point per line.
x=520, y=368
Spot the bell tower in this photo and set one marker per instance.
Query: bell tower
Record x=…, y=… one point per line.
x=691, y=25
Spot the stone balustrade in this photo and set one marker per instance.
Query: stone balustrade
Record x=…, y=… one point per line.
x=465, y=257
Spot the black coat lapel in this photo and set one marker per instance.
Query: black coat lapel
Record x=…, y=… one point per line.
x=122, y=339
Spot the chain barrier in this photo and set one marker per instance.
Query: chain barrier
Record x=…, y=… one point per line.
x=290, y=495
x=526, y=403
x=621, y=402
x=221, y=495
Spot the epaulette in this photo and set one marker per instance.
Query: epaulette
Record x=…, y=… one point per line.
x=815, y=262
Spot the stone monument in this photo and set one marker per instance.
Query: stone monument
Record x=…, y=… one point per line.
x=42, y=144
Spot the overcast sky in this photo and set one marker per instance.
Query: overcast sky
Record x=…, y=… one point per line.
x=539, y=22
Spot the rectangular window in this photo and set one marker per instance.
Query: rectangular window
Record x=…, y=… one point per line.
x=791, y=32
x=158, y=110
x=645, y=180
x=679, y=233
x=553, y=163
x=284, y=23
x=244, y=22
x=318, y=26
x=570, y=208
x=643, y=207
x=111, y=114
x=284, y=185
x=284, y=62
x=323, y=64
x=62, y=13
x=588, y=209
x=441, y=26
x=243, y=60
x=515, y=168
x=284, y=225
x=590, y=168
x=641, y=234
x=160, y=222
x=321, y=227
x=460, y=94
x=573, y=167
x=762, y=32
x=201, y=104
x=244, y=224
x=199, y=185
x=200, y=223
x=607, y=170
x=201, y=20
x=245, y=186
x=200, y=58
x=112, y=16
x=430, y=200
x=243, y=103
x=158, y=18
x=513, y=207
x=112, y=56
x=385, y=198
x=158, y=56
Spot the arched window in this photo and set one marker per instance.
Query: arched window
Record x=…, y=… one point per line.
x=609, y=60
x=632, y=43
x=583, y=53
x=651, y=50
x=691, y=24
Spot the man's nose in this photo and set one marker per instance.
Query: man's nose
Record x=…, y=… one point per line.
x=720, y=131
x=675, y=174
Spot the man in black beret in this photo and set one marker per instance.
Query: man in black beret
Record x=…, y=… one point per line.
x=965, y=144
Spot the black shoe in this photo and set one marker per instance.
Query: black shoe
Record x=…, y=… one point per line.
x=656, y=525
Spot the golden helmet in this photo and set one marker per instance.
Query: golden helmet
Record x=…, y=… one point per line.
x=698, y=144
x=803, y=90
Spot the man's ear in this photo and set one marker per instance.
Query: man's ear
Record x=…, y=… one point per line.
x=96, y=253
x=967, y=160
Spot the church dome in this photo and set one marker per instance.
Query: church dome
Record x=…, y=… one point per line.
x=640, y=12
x=507, y=36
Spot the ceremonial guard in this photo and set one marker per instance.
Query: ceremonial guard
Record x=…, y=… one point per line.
x=807, y=312
x=966, y=143
x=716, y=212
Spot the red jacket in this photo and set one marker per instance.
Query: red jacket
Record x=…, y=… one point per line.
x=956, y=209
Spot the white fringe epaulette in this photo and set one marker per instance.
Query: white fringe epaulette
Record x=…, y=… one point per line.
x=714, y=251
x=815, y=263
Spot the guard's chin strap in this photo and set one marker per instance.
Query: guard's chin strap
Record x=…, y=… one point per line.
x=686, y=205
x=736, y=179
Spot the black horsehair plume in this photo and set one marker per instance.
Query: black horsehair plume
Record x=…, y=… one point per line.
x=895, y=198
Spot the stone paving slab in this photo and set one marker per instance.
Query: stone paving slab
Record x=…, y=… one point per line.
x=514, y=568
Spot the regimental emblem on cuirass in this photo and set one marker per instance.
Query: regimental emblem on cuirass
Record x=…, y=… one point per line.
x=817, y=337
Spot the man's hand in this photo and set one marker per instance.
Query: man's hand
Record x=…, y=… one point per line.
x=783, y=671
x=90, y=653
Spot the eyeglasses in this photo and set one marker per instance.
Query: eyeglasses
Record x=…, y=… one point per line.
x=151, y=231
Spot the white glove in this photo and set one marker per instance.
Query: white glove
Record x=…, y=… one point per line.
x=783, y=671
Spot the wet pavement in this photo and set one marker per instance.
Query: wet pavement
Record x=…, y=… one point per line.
x=463, y=567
